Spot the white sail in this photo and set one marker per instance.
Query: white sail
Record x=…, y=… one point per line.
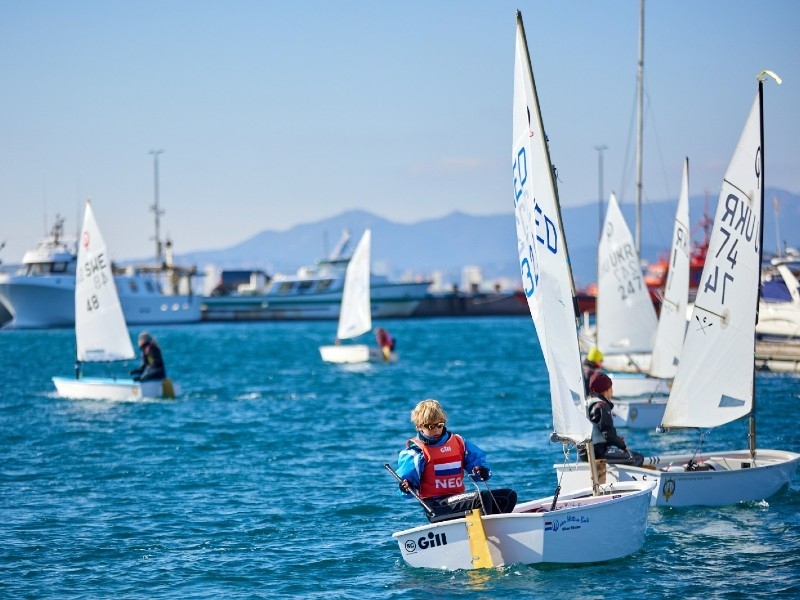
x=672, y=318
x=100, y=330
x=714, y=383
x=544, y=262
x=626, y=319
x=355, y=317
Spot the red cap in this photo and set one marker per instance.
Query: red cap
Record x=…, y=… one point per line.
x=599, y=383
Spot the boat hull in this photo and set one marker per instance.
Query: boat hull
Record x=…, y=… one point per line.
x=723, y=478
x=582, y=529
x=639, y=400
x=778, y=357
x=633, y=362
x=49, y=302
x=387, y=301
x=636, y=385
x=107, y=388
x=639, y=413
x=354, y=353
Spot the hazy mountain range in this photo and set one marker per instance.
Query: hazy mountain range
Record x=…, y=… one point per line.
x=447, y=244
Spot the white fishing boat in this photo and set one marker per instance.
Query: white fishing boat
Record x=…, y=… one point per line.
x=715, y=383
x=355, y=318
x=314, y=292
x=101, y=334
x=586, y=526
x=40, y=293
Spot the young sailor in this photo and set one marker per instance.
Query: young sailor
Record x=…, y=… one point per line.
x=152, y=366
x=607, y=443
x=433, y=463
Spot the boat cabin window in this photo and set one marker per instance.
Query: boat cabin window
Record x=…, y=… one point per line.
x=60, y=267
x=304, y=286
x=324, y=284
x=149, y=285
x=285, y=287
x=132, y=286
x=47, y=268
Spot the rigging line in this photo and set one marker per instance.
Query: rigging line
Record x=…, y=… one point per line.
x=480, y=496
x=491, y=495
x=649, y=115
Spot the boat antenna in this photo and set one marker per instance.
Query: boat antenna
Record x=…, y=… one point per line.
x=155, y=208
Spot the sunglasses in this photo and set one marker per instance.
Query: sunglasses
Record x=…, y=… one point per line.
x=433, y=425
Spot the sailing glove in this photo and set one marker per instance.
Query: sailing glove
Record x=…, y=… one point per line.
x=482, y=473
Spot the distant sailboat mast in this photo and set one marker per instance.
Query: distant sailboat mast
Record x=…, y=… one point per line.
x=639, y=130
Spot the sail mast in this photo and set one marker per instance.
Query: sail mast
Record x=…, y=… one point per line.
x=639, y=129
x=760, y=164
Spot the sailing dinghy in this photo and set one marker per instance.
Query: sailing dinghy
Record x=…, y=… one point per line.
x=640, y=397
x=587, y=525
x=715, y=381
x=101, y=334
x=355, y=314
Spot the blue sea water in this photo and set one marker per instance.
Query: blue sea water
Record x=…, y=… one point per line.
x=265, y=479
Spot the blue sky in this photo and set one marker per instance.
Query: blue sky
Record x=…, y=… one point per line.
x=271, y=114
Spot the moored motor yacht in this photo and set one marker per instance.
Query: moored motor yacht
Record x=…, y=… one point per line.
x=313, y=292
x=40, y=293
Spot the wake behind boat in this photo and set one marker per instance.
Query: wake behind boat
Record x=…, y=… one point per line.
x=101, y=334
x=589, y=525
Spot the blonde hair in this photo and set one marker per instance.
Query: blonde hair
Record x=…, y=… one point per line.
x=428, y=411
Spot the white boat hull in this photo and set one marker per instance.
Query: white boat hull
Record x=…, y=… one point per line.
x=778, y=322
x=635, y=362
x=49, y=302
x=582, y=529
x=634, y=385
x=729, y=477
x=778, y=357
x=639, y=413
x=107, y=388
x=354, y=353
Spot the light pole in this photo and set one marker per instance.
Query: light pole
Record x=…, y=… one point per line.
x=600, y=184
x=154, y=208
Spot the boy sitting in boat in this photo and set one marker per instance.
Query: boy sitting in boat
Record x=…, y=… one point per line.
x=434, y=463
